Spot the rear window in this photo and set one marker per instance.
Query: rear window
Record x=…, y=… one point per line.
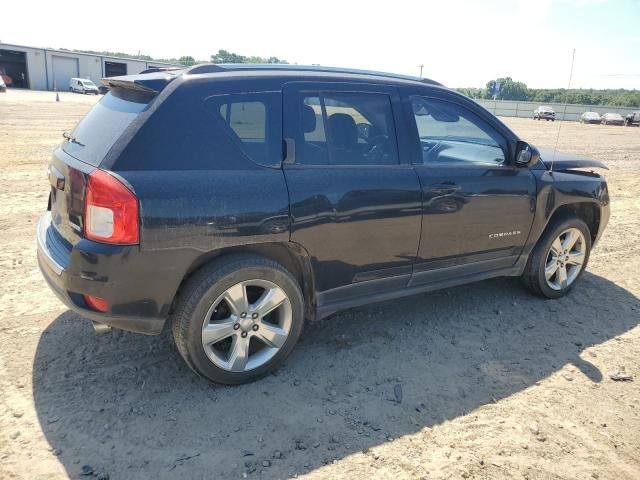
x=103, y=125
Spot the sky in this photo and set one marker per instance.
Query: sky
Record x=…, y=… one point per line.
x=460, y=43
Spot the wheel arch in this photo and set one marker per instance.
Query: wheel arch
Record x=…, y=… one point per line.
x=588, y=212
x=292, y=256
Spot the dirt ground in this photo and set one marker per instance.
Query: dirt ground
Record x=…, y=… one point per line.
x=482, y=381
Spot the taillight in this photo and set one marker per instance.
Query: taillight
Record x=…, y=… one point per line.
x=110, y=211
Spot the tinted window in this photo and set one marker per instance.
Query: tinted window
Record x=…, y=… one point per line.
x=103, y=125
x=248, y=120
x=451, y=134
x=347, y=129
x=252, y=122
x=192, y=130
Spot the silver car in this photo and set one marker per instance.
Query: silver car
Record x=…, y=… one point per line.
x=543, y=112
x=590, y=117
x=612, y=119
x=632, y=119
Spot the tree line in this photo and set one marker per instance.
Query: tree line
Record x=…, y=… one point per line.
x=223, y=56
x=509, y=88
x=513, y=90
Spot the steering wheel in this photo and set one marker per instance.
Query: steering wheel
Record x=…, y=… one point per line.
x=377, y=148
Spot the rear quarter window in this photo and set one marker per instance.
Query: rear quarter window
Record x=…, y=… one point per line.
x=252, y=121
x=97, y=132
x=192, y=131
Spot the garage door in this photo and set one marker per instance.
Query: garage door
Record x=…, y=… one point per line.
x=64, y=69
x=13, y=68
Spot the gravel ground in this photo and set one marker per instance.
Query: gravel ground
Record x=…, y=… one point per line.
x=482, y=381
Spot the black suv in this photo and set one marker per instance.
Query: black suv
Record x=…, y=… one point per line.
x=236, y=201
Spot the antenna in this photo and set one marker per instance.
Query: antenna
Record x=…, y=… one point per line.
x=564, y=112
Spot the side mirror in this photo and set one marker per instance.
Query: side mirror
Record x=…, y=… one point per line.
x=526, y=155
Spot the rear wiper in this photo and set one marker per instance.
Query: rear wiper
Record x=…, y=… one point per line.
x=72, y=139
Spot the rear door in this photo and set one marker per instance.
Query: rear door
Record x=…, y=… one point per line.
x=477, y=206
x=355, y=198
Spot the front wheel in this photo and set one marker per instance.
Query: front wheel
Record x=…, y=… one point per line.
x=238, y=319
x=559, y=258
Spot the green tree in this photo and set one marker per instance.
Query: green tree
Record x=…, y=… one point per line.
x=224, y=56
x=187, y=60
x=509, y=90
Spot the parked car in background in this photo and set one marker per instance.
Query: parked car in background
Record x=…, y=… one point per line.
x=83, y=85
x=611, y=118
x=3, y=87
x=194, y=198
x=632, y=119
x=544, y=112
x=590, y=117
x=103, y=89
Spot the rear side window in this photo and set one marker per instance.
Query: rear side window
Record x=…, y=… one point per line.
x=349, y=128
x=253, y=122
x=103, y=125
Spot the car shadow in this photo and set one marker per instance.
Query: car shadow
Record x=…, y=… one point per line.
x=127, y=405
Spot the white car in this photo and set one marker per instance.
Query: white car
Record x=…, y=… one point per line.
x=83, y=85
x=3, y=86
x=544, y=112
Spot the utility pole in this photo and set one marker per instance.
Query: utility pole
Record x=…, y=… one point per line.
x=421, y=67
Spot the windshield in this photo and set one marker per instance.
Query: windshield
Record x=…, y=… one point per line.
x=545, y=108
x=591, y=114
x=88, y=83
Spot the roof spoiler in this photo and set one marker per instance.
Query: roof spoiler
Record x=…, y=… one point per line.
x=146, y=82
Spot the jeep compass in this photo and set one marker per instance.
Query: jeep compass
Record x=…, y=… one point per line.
x=231, y=203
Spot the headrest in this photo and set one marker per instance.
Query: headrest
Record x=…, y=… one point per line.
x=308, y=119
x=344, y=132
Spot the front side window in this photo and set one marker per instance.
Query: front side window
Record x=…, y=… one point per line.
x=452, y=135
x=347, y=129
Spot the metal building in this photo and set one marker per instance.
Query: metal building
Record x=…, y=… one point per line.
x=49, y=69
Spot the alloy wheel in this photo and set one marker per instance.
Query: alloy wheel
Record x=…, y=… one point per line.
x=247, y=325
x=565, y=259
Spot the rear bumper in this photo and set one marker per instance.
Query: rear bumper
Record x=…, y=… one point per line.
x=105, y=271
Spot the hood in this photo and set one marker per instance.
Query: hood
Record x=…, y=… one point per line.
x=567, y=161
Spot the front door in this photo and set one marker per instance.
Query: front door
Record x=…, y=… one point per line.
x=477, y=206
x=354, y=197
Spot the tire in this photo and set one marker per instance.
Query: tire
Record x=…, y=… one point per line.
x=205, y=295
x=542, y=257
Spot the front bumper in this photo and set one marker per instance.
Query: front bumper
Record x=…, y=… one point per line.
x=106, y=271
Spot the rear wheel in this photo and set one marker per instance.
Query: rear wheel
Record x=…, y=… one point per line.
x=238, y=319
x=559, y=258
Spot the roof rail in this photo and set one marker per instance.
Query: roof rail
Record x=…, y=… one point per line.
x=230, y=67
x=160, y=69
